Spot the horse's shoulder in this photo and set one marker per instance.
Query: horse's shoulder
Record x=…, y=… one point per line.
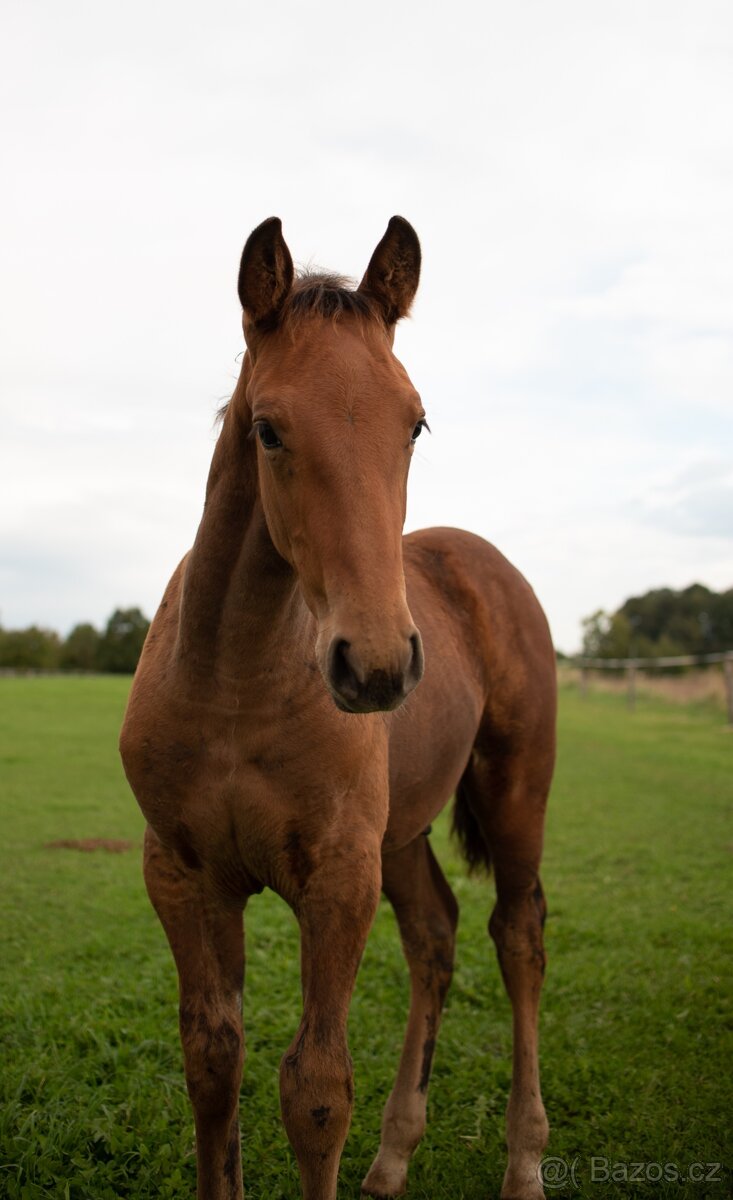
x=478, y=585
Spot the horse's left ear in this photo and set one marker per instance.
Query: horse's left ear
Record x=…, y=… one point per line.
x=265, y=275
x=394, y=270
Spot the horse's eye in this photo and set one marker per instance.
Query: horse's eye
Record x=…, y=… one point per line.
x=267, y=436
x=422, y=424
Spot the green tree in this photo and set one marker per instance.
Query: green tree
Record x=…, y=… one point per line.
x=662, y=622
x=29, y=649
x=595, y=628
x=80, y=651
x=122, y=641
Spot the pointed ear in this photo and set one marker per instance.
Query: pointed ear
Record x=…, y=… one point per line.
x=394, y=271
x=265, y=275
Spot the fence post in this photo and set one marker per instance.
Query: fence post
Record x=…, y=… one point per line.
x=728, y=675
x=631, y=694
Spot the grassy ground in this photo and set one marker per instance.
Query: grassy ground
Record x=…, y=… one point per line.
x=636, y=1015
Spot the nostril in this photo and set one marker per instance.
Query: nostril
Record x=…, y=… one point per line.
x=343, y=676
x=417, y=662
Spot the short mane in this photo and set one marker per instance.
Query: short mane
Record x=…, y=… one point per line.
x=324, y=294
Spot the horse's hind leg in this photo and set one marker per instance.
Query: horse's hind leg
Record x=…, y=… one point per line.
x=506, y=794
x=207, y=941
x=427, y=914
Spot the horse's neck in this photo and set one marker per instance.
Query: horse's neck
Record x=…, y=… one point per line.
x=236, y=589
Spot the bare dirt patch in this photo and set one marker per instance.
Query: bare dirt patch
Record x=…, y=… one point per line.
x=88, y=845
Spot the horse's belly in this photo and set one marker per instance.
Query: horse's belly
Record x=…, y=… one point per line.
x=431, y=740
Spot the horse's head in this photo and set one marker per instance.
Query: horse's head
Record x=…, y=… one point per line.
x=336, y=418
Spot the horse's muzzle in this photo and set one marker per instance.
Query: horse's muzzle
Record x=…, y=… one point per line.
x=357, y=688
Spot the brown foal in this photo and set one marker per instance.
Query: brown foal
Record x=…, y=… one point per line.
x=273, y=737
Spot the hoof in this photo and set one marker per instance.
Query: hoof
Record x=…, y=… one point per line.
x=522, y=1186
x=384, y=1183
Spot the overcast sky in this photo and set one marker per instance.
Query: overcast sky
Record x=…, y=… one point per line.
x=569, y=169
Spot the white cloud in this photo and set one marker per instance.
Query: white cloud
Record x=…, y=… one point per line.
x=570, y=171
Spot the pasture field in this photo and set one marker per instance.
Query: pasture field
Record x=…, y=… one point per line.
x=636, y=1023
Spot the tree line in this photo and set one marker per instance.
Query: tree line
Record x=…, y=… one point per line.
x=694, y=620
x=115, y=649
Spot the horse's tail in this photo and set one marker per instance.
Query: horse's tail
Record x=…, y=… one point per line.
x=468, y=832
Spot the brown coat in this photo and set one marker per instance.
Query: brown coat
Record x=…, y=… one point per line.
x=313, y=690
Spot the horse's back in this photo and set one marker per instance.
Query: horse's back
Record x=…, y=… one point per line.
x=489, y=670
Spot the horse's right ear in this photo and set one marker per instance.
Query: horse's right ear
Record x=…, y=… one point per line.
x=265, y=276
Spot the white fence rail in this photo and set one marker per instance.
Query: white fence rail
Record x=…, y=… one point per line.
x=633, y=665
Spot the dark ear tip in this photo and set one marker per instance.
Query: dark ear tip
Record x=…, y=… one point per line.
x=267, y=227
x=401, y=223
x=402, y=231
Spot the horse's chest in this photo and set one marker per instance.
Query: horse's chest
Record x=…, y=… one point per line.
x=252, y=802
x=175, y=768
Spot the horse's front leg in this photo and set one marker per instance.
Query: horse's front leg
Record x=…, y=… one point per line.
x=335, y=911
x=206, y=937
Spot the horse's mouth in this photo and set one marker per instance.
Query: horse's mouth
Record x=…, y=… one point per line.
x=369, y=704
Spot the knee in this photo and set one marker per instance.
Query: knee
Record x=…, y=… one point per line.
x=213, y=1046
x=443, y=950
x=519, y=903
x=316, y=1089
x=430, y=951
x=517, y=921
x=540, y=904
x=448, y=902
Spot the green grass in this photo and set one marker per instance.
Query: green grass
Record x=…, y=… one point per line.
x=636, y=1045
